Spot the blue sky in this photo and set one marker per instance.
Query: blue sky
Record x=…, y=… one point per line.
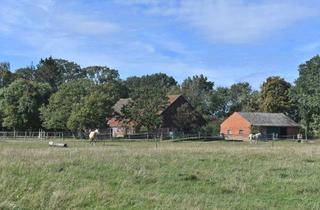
x=229, y=41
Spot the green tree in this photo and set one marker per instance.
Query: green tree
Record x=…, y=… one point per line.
x=48, y=72
x=58, y=71
x=20, y=103
x=145, y=108
x=101, y=74
x=306, y=94
x=198, y=90
x=219, y=102
x=239, y=96
x=56, y=113
x=27, y=73
x=187, y=119
x=92, y=110
x=6, y=77
x=69, y=70
x=275, y=96
x=253, y=102
x=160, y=81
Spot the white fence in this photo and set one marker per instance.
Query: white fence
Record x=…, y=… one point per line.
x=30, y=135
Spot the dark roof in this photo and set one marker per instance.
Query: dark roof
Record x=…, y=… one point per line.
x=171, y=100
x=120, y=104
x=268, y=119
x=125, y=101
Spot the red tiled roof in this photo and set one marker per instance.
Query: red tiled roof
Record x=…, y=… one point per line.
x=114, y=122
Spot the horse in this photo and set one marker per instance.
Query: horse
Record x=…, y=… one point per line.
x=253, y=138
x=93, y=135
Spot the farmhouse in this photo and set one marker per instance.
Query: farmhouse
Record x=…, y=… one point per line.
x=271, y=125
x=122, y=126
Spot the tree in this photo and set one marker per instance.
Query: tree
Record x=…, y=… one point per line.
x=101, y=74
x=275, y=96
x=57, y=71
x=186, y=118
x=48, y=72
x=6, y=77
x=56, y=113
x=306, y=94
x=198, y=90
x=145, y=108
x=20, y=103
x=70, y=70
x=159, y=81
x=92, y=110
x=253, y=102
x=27, y=73
x=219, y=102
x=239, y=96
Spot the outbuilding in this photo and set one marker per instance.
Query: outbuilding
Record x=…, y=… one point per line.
x=271, y=125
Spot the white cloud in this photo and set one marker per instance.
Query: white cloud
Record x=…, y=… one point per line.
x=234, y=21
x=83, y=25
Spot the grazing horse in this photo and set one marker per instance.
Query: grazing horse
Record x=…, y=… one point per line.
x=253, y=138
x=93, y=135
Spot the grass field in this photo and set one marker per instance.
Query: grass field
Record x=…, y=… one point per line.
x=173, y=175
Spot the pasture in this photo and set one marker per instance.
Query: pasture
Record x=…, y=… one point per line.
x=173, y=175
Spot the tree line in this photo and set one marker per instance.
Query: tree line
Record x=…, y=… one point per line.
x=58, y=94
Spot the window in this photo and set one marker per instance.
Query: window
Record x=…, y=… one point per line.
x=240, y=131
x=229, y=132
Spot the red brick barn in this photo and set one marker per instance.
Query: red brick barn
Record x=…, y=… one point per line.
x=240, y=124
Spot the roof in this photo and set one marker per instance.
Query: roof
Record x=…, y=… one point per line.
x=172, y=98
x=120, y=104
x=114, y=122
x=268, y=119
x=125, y=101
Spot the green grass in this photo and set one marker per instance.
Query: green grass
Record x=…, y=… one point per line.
x=173, y=175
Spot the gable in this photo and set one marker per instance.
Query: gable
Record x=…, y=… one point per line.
x=235, y=120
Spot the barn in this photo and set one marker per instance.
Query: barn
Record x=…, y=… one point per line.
x=122, y=126
x=271, y=125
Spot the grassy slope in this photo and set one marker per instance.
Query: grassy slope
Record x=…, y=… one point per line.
x=137, y=175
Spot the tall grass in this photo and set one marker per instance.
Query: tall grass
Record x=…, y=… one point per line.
x=139, y=175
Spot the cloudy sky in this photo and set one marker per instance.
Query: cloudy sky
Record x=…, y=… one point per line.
x=227, y=40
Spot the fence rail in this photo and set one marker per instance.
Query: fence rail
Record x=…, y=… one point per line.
x=267, y=137
x=105, y=135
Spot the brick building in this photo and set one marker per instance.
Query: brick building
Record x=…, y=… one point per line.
x=240, y=124
x=122, y=126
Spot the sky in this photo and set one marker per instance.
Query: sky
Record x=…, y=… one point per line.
x=228, y=41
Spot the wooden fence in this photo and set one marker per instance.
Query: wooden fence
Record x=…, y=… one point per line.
x=104, y=135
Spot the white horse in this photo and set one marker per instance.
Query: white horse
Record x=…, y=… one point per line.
x=253, y=138
x=93, y=135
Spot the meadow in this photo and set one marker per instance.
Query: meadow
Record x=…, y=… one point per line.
x=169, y=175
